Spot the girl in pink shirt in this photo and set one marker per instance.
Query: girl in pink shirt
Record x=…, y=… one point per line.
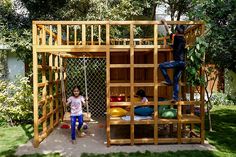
x=76, y=101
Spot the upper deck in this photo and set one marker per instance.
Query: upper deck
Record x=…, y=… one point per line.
x=73, y=37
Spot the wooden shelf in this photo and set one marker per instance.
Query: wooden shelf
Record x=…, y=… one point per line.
x=167, y=121
x=188, y=118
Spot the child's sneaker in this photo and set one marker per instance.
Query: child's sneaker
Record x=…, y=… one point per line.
x=81, y=134
x=73, y=141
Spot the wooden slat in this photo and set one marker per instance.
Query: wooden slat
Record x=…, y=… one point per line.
x=51, y=89
x=167, y=121
x=188, y=118
x=120, y=103
x=120, y=141
x=56, y=90
x=83, y=34
x=119, y=65
x=167, y=140
x=143, y=84
x=108, y=92
x=119, y=122
x=132, y=83
x=155, y=61
x=92, y=42
x=191, y=140
x=35, y=88
x=44, y=94
x=143, y=140
x=59, y=34
x=119, y=84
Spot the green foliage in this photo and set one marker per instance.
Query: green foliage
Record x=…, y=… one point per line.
x=16, y=101
x=195, y=60
x=220, y=98
x=219, y=16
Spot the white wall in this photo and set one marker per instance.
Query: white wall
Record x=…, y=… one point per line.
x=15, y=67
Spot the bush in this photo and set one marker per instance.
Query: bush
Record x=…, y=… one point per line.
x=221, y=99
x=16, y=101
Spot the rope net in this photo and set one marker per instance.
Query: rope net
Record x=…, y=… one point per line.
x=96, y=82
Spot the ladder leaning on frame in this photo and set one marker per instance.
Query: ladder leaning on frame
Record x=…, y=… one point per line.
x=87, y=115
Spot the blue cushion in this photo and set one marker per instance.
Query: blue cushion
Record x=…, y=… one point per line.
x=143, y=111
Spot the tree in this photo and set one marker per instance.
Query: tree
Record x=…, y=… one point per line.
x=219, y=16
x=220, y=36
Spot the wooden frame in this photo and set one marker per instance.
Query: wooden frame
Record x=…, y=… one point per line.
x=52, y=44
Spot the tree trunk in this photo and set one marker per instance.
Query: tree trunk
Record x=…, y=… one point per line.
x=221, y=81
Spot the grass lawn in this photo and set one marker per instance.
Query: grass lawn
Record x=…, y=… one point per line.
x=223, y=138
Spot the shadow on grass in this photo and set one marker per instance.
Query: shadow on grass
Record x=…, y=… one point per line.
x=192, y=153
x=28, y=129
x=224, y=126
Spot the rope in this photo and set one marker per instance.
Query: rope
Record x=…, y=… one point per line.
x=85, y=83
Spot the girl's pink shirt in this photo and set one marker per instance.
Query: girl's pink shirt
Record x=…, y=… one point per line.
x=76, y=105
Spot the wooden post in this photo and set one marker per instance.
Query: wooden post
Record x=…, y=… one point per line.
x=99, y=35
x=44, y=94
x=83, y=35
x=92, y=42
x=132, y=83
x=57, y=93
x=108, y=82
x=51, y=89
x=155, y=84
x=35, y=86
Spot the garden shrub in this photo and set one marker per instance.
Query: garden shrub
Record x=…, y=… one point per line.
x=220, y=98
x=16, y=101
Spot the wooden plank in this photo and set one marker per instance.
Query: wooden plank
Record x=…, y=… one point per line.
x=143, y=140
x=179, y=116
x=35, y=88
x=119, y=65
x=120, y=103
x=155, y=61
x=188, y=118
x=44, y=94
x=167, y=140
x=141, y=122
x=67, y=34
x=132, y=83
x=120, y=84
x=51, y=89
x=144, y=66
x=59, y=34
x=108, y=92
x=143, y=84
x=57, y=92
x=120, y=141
x=119, y=122
x=75, y=35
x=83, y=34
x=92, y=40
x=167, y=121
x=191, y=140
x=99, y=35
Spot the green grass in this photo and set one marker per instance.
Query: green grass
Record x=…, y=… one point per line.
x=223, y=138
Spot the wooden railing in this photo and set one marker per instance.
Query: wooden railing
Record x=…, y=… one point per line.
x=65, y=33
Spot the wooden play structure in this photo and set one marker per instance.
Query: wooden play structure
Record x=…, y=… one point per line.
x=131, y=63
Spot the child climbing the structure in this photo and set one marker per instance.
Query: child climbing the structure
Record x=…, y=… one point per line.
x=178, y=63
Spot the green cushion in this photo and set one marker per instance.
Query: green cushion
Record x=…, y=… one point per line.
x=169, y=113
x=162, y=108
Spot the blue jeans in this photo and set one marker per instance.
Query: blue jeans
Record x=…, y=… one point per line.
x=178, y=67
x=73, y=124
